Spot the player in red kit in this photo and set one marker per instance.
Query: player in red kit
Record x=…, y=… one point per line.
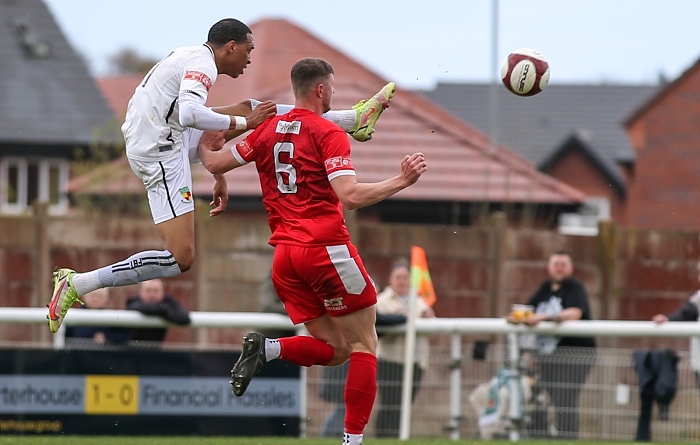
x=306, y=176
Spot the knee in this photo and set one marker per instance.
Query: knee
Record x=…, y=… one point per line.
x=342, y=354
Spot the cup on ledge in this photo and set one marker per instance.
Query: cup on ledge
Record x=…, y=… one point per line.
x=520, y=312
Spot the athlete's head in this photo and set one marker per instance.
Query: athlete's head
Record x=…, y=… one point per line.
x=313, y=78
x=232, y=42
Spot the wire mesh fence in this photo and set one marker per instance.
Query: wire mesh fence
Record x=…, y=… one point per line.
x=589, y=394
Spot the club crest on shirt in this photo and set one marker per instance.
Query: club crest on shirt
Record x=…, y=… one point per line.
x=285, y=127
x=186, y=194
x=334, y=304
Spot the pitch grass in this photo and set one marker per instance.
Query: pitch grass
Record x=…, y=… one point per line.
x=195, y=440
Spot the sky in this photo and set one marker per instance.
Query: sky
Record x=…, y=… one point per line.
x=418, y=44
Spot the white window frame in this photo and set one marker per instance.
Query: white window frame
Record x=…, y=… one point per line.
x=585, y=222
x=22, y=206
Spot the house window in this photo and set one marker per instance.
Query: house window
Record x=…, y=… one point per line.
x=585, y=221
x=26, y=180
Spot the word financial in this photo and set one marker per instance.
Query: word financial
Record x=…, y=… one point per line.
x=132, y=395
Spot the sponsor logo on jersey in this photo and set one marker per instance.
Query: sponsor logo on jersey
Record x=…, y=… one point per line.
x=334, y=304
x=199, y=77
x=244, y=149
x=285, y=127
x=336, y=163
x=186, y=194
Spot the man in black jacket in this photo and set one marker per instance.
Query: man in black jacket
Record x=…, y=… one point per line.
x=563, y=363
x=152, y=300
x=688, y=311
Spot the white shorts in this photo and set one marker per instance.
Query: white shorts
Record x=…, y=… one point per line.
x=169, y=183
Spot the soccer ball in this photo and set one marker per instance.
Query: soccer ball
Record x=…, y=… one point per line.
x=525, y=72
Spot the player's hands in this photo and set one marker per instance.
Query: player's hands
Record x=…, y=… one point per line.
x=212, y=140
x=412, y=167
x=264, y=111
x=220, y=196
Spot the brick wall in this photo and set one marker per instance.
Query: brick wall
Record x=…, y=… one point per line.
x=665, y=186
x=577, y=171
x=477, y=271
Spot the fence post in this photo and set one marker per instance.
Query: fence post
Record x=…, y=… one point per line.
x=607, y=266
x=515, y=411
x=456, y=386
x=496, y=254
x=201, y=296
x=42, y=265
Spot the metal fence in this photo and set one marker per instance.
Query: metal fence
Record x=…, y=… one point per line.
x=461, y=370
x=608, y=409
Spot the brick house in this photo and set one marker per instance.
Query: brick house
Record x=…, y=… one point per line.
x=664, y=181
x=50, y=109
x=467, y=177
x=574, y=133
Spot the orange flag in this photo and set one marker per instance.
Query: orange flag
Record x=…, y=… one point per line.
x=420, y=277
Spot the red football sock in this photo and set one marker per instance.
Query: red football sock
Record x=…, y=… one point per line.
x=360, y=391
x=305, y=351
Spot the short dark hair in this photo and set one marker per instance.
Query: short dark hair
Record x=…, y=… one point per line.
x=306, y=72
x=562, y=252
x=226, y=30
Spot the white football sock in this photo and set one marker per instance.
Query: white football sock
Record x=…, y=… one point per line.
x=142, y=266
x=272, y=349
x=352, y=439
x=345, y=119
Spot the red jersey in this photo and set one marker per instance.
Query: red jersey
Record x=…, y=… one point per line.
x=297, y=155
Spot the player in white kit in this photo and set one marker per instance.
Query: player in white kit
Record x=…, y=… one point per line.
x=165, y=119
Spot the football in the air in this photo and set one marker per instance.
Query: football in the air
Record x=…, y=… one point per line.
x=525, y=72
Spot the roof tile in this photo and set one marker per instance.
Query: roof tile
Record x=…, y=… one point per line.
x=462, y=164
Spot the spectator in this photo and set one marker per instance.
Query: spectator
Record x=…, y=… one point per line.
x=390, y=366
x=152, y=300
x=563, y=363
x=689, y=311
x=99, y=334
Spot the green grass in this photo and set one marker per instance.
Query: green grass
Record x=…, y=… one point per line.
x=112, y=440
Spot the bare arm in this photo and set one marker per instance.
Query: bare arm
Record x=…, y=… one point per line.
x=263, y=111
x=220, y=196
x=356, y=195
x=214, y=159
x=570, y=313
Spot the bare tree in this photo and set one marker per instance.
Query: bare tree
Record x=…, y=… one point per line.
x=128, y=61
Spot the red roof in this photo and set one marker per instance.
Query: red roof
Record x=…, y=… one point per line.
x=462, y=165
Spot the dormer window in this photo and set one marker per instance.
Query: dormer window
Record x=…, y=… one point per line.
x=31, y=40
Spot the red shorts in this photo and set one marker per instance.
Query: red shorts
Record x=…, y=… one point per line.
x=312, y=281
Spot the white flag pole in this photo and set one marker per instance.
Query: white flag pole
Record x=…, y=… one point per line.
x=409, y=360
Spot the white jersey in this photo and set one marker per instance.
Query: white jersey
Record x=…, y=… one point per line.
x=152, y=129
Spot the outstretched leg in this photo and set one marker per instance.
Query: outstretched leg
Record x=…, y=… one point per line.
x=169, y=188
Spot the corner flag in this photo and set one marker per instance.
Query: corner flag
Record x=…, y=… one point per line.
x=420, y=277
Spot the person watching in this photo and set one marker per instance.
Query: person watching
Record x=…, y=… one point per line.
x=563, y=363
x=152, y=300
x=102, y=335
